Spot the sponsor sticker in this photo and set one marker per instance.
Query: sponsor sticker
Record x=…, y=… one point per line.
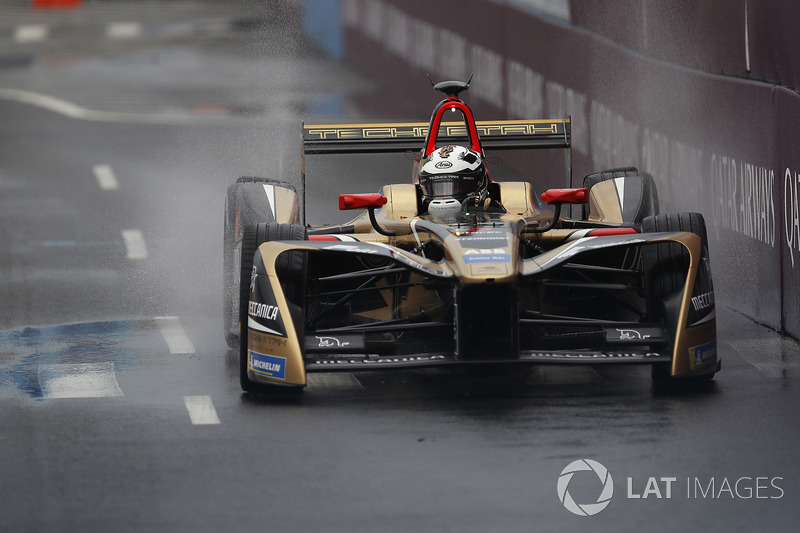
x=327, y=342
x=703, y=301
x=703, y=354
x=489, y=269
x=266, y=318
x=265, y=311
x=591, y=355
x=268, y=365
x=382, y=360
x=634, y=335
x=486, y=255
x=446, y=150
x=631, y=334
x=332, y=344
x=483, y=242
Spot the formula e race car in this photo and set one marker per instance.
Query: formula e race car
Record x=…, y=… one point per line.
x=457, y=269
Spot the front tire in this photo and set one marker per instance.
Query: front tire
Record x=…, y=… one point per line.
x=291, y=269
x=666, y=264
x=661, y=376
x=665, y=267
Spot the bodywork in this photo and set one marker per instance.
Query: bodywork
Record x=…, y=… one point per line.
x=581, y=302
x=492, y=289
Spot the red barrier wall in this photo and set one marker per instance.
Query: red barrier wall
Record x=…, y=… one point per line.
x=674, y=87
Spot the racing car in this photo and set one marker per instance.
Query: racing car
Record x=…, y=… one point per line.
x=457, y=269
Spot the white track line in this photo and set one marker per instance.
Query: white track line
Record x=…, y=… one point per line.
x=773, y=355
x=201, y=410
x=106, y=177
x=123, y=30
x=70, y=110
x=135, y=246
x=172, y=330
x=86, y=380
x=50, y=103
x=31, y=33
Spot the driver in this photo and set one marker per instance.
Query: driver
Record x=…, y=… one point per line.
x=454, y=181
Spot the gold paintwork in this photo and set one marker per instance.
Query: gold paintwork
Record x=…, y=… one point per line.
x=269, y=344
x=496, y=272
x=286, y=206
x=402, y=201
x=604, y=205
x=517, y=197
x=418, y=298
x=291, y=348
x=402, y=208
x=697, y=336
x=685, y=338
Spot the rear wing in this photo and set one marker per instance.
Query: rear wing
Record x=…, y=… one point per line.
x=401, y=137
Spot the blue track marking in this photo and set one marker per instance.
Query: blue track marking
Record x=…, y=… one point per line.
x=33, y=356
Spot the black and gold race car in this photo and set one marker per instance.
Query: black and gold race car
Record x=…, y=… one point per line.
x=457, y=269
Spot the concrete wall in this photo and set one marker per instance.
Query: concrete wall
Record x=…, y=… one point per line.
x=700, y=94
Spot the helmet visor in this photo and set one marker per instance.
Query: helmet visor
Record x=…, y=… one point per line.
x=449, y=185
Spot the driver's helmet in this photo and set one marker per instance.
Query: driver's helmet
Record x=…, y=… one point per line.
x=451, y=174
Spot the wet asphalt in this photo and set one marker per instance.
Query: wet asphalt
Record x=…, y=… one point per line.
x=120, y=407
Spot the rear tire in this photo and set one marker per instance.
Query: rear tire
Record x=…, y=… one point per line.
x=291, y=269
x=246, y=203
x=645, y=193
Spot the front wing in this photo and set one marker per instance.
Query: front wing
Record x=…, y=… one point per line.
x=368, y=306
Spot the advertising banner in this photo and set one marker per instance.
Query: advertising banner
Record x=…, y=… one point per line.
x=678, y=93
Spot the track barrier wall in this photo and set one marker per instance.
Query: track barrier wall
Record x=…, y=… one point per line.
x=703, y=95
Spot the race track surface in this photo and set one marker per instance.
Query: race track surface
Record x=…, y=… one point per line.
x=121, y=126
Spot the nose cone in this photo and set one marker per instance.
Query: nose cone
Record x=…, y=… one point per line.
x=486, y=254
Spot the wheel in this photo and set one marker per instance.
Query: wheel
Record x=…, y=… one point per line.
x=665, y=267
x=291, y=269
x=660, y=375
x=641, y=195
x=246, y=203
x=666, y=263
